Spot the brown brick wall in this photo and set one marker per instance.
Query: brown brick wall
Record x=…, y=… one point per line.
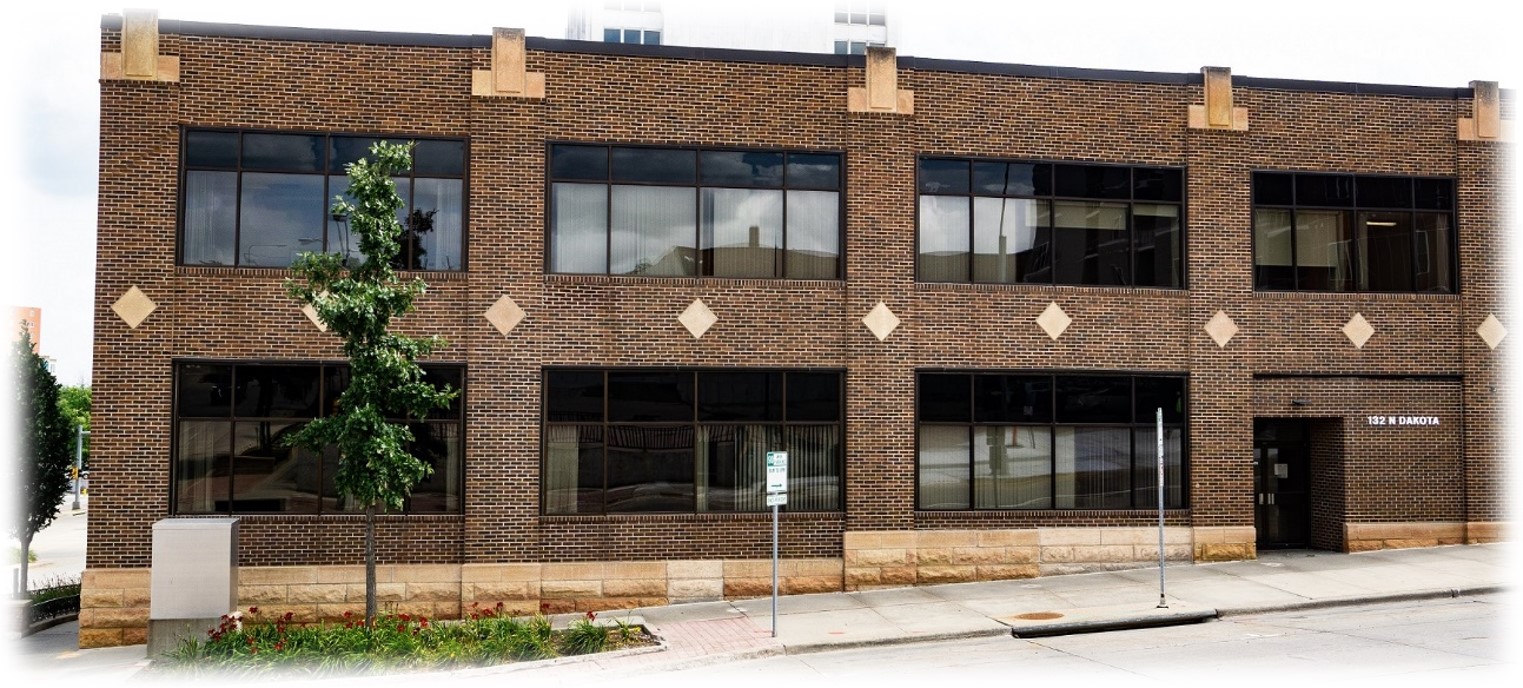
x=612, y=321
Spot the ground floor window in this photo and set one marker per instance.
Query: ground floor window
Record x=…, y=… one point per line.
x=679, y=440
x=1044, y=441
x=231, y=421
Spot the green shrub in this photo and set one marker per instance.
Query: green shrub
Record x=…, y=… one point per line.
x=249, y=644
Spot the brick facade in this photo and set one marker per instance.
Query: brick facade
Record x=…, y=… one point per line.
x=1424, y=359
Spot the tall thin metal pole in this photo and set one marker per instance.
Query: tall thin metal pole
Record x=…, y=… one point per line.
x=79, y=453
x=774, y=570
x=1162, y=603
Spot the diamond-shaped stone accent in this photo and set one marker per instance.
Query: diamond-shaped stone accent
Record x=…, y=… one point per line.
x=697, y=318
x=311, y=313
x=1054, y=321
x=134, y=307
x=1491, y=331
x=1358, y=330
x=504, y=315
x=881, y=321
x=1221, y=328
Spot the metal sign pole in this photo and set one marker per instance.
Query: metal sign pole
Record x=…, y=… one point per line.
x=79, y=452
x=774, y=570
x=1162, y=603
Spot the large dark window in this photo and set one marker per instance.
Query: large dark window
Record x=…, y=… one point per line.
x=686, y=212
x=674, y=440
x=1007, y=222
x=259, y=199
x=1040, y=441
x=230, y=422
x=1341, y=232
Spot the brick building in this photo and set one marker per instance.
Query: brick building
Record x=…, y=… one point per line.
x=956, y=294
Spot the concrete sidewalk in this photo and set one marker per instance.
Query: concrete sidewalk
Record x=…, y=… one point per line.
x=711, y=632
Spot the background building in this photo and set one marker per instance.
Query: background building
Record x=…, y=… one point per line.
x=848, y=27
x=957, y=293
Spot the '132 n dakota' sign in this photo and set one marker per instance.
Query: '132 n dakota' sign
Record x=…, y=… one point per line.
x=1402, y=420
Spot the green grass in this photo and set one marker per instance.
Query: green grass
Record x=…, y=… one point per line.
x=54, y=588
x=16, y=555
x=248, y=644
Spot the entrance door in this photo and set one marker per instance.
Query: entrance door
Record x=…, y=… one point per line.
x=1281, y=480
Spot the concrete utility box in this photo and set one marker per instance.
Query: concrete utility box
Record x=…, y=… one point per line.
x=194, y=579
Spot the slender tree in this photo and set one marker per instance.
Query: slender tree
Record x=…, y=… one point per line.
x=42, y=468
x=376, y=467
x=74, y=401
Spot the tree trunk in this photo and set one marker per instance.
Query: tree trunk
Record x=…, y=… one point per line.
x=370, y=566
x=26, y=549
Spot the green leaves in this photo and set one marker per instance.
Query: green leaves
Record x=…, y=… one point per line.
x=46, y=447
x=358, y=304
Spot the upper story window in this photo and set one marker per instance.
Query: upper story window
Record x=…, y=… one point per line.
x=260, y=199
x=230, y=420
x=632, y=21
x=1040, y=441
x=1005, y=222
x=1353, y=233
x=859, y=23
x=685, y=212
x=680, y=440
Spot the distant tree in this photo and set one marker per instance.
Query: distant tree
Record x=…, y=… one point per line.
x=74, y=401
x=42, y=467
x=376, y=465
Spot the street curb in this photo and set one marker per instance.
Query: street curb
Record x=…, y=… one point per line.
x=811, y=647
x=1351, y=600
x=1114, y=624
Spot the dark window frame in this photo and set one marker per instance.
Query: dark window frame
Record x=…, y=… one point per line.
x=326, y=174
x=1051, y=200
x=1353, y=211
x=609, y=182
x=1183, y=425
x=323, y=368
x=606, y=425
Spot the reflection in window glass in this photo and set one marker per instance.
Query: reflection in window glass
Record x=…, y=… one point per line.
x=943, y=467
x=269, y=476
x=944, y=238
x=211, y=218
x=1323, y=251
x=1009, y=239
x=1157, y=230
x=436, y=226
x=579, y=228
x=741, y=232
x=1385, y=251
x=1020, y=232
x=1273, y=267
x=1093, y=467
x=1009, y=451
x=1091, y=244
x=814, y=235
x=282, y=215
x=1433, y=244
x=650, y=468
x=235, y=215
x=669, y=449
x=652, y=231
x=201, y=477
x=1012, y=467
x=1385, y=243
x=573, y=475
x=230, y=453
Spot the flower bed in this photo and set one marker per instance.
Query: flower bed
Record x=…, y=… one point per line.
x=248, y=643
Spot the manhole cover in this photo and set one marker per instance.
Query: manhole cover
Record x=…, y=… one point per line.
x=1039, y=616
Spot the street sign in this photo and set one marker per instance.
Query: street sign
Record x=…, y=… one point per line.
x=777, y=472
x=777, y=499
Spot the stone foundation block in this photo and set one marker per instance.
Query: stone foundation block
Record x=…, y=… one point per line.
x=695, y=590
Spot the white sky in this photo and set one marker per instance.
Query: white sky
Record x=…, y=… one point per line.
x=52, y=110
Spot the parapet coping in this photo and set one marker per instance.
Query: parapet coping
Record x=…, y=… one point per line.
x=113, y=22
